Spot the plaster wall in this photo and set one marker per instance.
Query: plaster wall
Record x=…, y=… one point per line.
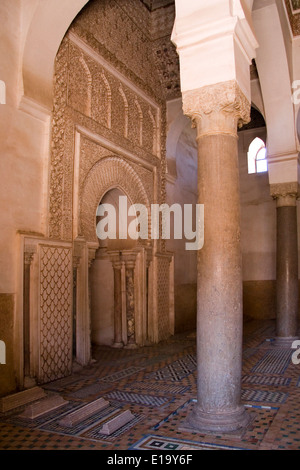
x=182, y=189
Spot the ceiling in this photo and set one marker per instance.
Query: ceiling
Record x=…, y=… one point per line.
x=155, y=4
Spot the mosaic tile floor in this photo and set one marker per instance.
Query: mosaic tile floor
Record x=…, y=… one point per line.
x=158, y=385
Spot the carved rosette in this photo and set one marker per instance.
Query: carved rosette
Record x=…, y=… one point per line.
x=217, y=109
x=285, y=194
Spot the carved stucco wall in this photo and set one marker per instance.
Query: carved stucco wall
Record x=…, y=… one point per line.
x=96, y=90
x=55, y=335
x=108, y=128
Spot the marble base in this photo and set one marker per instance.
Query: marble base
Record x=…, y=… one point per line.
x=29, y=382
x=236, y=421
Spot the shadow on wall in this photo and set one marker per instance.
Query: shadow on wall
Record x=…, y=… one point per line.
x=259, y=303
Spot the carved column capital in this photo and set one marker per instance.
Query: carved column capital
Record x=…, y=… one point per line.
x=29, y=252
x=217, y=109
x=285, y=194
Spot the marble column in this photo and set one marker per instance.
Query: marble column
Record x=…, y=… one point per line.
x=117, y=267
x=217, y=111
x=287, y=286
x=129, y=259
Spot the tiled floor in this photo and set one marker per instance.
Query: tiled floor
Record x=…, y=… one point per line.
x=158, y=385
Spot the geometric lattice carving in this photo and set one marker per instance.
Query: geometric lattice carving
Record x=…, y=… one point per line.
x=163, y=278
x=55, y=313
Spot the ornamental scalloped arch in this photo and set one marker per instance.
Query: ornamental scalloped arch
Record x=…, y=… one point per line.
x=106, y=174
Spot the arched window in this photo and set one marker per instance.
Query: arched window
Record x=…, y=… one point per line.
x=257, y=153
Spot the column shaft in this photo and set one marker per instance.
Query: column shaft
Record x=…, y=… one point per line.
x=28, y=258
x=287, y=273
x=219, y=282
x=26, y=320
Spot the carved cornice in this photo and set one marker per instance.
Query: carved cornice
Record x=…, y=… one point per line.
x=218, y=108
x=285, y=194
